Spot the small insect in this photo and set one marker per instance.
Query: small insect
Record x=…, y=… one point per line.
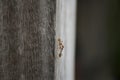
x=60, y=46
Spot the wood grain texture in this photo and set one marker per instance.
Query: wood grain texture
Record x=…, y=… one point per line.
x=27, y=39
x=65, y=39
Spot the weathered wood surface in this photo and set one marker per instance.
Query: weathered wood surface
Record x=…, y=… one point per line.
x=27, y=39
x=65, y=36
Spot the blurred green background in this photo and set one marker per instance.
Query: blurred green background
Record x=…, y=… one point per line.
x=114, y=34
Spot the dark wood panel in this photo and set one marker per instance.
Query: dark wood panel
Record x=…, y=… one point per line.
x=27, y=39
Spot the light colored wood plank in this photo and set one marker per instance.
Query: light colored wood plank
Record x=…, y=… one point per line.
x=65, y=36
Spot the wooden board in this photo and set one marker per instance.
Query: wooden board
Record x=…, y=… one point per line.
x=65, y=39
x=27, y=39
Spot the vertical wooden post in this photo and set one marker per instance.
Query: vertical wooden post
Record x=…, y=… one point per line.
x=27, y=39
x=28, y=45
x=65, y=39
